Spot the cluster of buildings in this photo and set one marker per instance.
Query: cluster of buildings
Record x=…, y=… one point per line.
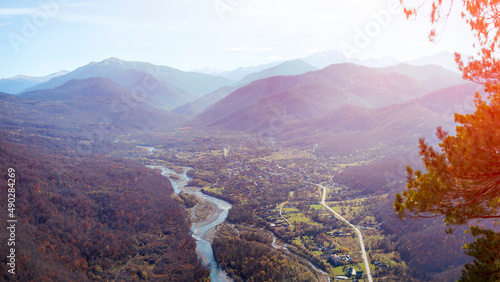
x=338, y=260
x=379, y=264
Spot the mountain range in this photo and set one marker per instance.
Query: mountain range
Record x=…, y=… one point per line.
x=326, y=58
x=286, y=68
x=281, y=100
x=170, y=86
x=340, y=107
x=353, y=128
x=84, y=104
x=190, y=93
x=18, y=83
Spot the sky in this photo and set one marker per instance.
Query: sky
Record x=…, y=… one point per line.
x=45, y=36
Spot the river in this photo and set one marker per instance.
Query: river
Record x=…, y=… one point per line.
x=204, y=248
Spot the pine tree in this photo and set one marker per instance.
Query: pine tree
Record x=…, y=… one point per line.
x=462, y=178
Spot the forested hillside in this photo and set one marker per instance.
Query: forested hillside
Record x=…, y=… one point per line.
x=424, y=245
x=102, y=219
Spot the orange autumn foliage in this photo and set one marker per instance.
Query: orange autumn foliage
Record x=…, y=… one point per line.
x=462, y=181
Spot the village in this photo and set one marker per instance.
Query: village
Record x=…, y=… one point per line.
x=278, y=191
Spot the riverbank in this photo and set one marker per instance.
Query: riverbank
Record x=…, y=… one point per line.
x=206, y=216
x=204, y=213
x=210, y=234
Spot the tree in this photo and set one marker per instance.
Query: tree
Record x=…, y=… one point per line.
x=486, y=266
x=462, y=179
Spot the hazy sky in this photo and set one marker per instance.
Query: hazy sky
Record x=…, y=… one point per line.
x=45, y=36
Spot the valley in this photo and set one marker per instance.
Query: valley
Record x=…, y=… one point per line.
x=273, y=193
x=250, y=141
x=309, y=159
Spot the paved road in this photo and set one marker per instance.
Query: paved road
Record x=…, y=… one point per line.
x=363, y=252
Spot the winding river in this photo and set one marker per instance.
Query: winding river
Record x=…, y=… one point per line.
x=204, y=248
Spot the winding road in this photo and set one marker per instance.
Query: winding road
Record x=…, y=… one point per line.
x=363, y=252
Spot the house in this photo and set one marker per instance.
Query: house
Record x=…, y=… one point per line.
x=351, y=272
x=334, y=260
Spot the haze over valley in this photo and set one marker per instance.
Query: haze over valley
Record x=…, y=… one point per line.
x=227, y=141
x=358, y=123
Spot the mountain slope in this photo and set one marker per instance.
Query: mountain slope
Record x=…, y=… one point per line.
x=294, y=67
x=434, y=75
x=85, y=215
x=241, y=72
x=191, y=85
x=199, y=105
x=325, y=58
x=444, y=59
x=353, y=128
x=286, y=68
x=243, y=97
x=95, y=100
x=294, y=98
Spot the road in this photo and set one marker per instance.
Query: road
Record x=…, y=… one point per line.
x=281, y=214
x=363, y=252
x=323, y=276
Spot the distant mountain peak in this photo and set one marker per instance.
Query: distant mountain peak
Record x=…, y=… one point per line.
x=325, y=58
x=208, y=70
x=37, y=78
x=59, y=73
x=19, y=83
x=108, y=61
x=294, y=62
x=112, y=59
